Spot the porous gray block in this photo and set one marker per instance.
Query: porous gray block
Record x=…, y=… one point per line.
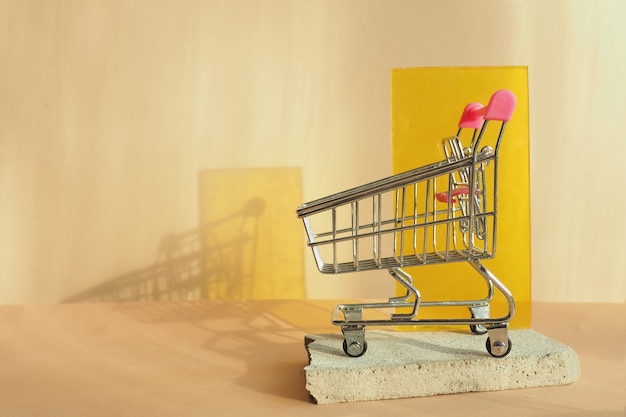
x=419, y=364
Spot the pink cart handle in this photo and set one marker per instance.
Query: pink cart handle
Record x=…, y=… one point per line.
x=472, y=117
x=501, y=106
x=444, y=197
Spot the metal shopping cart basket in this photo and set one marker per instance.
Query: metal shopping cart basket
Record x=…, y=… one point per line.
x=439, y=213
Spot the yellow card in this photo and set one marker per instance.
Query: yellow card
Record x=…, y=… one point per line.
x=426, y=105
x=252, y=242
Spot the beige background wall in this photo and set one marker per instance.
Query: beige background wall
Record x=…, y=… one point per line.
x=110, y=109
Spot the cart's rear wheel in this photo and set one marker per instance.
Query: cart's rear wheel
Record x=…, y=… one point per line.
x=501, y=349
x=354, y=349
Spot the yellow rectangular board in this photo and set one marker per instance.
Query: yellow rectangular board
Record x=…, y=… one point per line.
x=251, y=241
x=426, y=105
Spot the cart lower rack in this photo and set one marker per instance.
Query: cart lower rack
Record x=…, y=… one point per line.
x=439, y=213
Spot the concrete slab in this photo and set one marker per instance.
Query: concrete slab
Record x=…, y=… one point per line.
x=418, y=364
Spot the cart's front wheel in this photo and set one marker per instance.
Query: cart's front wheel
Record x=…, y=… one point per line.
x=354, y=343
x=355, y=349
x=499, y=349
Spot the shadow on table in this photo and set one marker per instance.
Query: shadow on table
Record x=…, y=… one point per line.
x=267, y=336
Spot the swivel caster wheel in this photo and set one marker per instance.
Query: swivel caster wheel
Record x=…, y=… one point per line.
x=499, y=348
x=498, y=342
x=354, y=343
x=355, y=349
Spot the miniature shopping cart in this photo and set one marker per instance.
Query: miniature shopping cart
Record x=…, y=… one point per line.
x=439, y=213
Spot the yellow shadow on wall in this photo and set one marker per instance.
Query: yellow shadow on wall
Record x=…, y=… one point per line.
x=251, y=240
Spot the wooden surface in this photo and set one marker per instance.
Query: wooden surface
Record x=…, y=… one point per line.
x=218, y=358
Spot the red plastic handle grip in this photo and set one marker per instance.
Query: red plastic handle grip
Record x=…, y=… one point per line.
x=444, y=197
x=501, y=106
x=472, y=117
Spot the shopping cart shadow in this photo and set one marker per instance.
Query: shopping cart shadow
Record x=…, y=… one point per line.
x=193, y=264
x=266, y=336
x=216, y=261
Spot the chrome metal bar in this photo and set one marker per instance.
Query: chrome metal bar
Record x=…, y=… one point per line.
x=449, y=213
x=487, y=274
x=403, y=319
x=396, y=218
x=415, y=218
x=436, y=213
x=402, y=224
x=398, y=229
x=407, y=282
x=381, y=186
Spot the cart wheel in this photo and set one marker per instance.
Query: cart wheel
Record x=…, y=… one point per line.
x=478, y=329
x=502, y=348
x=355, y=349
x=480, y=311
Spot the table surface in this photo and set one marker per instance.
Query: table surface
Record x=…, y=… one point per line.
x=244, y=358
